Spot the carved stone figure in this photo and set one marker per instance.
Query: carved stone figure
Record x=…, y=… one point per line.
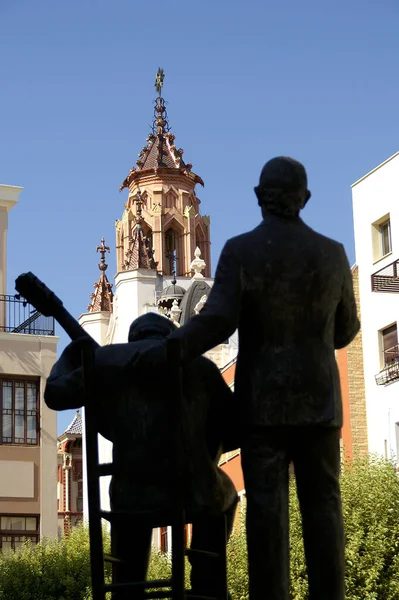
x=134, y=414
x=289, y=291
x=200, y=305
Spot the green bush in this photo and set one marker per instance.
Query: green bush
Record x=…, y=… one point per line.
x=370, y=495
x=60, y=569
x=52, y=569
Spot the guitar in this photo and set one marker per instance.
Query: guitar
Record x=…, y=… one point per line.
x=48, y=304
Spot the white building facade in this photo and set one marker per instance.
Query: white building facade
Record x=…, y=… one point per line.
x=376, y=228
x=28, y=428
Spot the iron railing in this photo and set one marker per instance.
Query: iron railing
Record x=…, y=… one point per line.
x=18, y=316
x=386, y=279
x=390, y=372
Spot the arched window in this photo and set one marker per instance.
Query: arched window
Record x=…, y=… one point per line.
x=171, y=252
x=148, y=234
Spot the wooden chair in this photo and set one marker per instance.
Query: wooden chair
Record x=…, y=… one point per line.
x=177, y=518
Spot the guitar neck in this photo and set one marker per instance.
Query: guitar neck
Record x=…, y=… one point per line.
x=69, y=324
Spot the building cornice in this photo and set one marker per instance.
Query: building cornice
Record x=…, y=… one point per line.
x=28, y=337
x=375, y=169
x=9, y=196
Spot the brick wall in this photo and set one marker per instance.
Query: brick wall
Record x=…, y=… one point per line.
x=357, y=393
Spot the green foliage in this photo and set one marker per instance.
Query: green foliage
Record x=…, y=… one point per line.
x=370, y=492
x=60, y=569
x=370, y=495
x=237, y=571
x=54, y=569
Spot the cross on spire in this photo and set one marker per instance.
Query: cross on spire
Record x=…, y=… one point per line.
x=103, y=249
x=159, y=81
x=102, y=297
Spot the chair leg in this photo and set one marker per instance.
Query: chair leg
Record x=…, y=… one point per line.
x=178, y=557
x=222, y=571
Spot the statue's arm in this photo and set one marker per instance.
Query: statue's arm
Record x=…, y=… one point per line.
x=219, y=318
x=64, y=386
x=347, y=324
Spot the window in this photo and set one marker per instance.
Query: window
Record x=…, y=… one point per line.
x=17, y=529
x=389, y=345
x=385, y=237
x=164, y=539
x=19, y=414
x=77, y=469
x=381, y=237
x=79, y=498
x=171, y=252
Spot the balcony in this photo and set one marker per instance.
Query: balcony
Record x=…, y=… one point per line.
x=390, y=373
x=17, y=316
x=386, y=279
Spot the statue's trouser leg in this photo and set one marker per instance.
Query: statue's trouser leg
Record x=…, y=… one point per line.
x=208, y=534
x=316, y=456
x=265, y=463
x=130, y=542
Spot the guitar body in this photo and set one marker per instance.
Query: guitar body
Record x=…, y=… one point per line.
x=48, y=304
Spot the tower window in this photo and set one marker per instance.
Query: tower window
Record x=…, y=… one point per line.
x=171, y=251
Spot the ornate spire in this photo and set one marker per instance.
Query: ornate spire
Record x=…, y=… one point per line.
x=101, y=299
x=160, y=151
x=140, y=254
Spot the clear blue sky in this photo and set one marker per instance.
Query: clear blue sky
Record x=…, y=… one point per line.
x=244, y=81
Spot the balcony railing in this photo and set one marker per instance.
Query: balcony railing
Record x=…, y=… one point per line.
x=386, y=279
x=390, y=372
x=17, y=316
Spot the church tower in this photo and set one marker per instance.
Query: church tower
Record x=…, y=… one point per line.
x=162, y=203
x=163, y=259
x=160, y=240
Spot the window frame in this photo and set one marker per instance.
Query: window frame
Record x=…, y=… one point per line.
x=377, y=227
x=26, y=379
x=385, y=224
x=79, y=496
x=163, y=539
x=384, y=362
x=174, y=252
x=32, y=534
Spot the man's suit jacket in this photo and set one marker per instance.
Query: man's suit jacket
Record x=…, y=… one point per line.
x=289, y=291
x=134, y=412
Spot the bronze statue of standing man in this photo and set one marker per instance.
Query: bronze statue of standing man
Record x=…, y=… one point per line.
x=289, y=291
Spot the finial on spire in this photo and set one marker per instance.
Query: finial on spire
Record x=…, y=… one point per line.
x=160, y=151
x=102, y=250
x=198, y=264
x=101, y=299
x=159, y=81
